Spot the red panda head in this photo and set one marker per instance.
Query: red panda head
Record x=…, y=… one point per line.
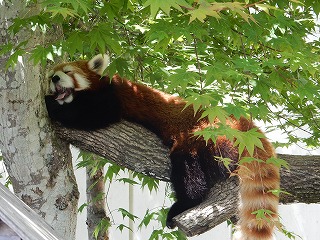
x=66, y=78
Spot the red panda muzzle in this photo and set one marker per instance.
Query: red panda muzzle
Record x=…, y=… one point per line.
x=62, y=93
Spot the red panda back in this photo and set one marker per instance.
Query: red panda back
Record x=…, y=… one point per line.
x=257, y=179
x=167, y=116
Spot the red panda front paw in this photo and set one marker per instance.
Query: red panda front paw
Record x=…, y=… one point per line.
x=170, y=224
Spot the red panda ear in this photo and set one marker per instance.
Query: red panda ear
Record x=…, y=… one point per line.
x=99, y=63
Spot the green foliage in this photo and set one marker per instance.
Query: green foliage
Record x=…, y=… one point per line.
x=249, y=140
x=290, y=235
x=102, y=226
x=214, y=113
x=150, y=182
x=82, y=207
x=94, y=163
x=278, y=162
x=232, y=226
x=160, y=216
x=127, y=214
x=277, y=192
x=226, y=162
x=162, y=234
x=113, y=173
x=165, y=6
x=246, y=58
x=205, y=9
x=253, y=56
x=122, y=226
x=263, y=215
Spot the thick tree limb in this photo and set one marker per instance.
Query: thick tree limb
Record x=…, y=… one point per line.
x=126, y=144
x=136, y=148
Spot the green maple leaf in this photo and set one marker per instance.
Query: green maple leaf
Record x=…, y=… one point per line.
x=165, y=6
x=277, y=192
x=215, y=112
x=249, y=140
x=40, y=54
x=181, y=79
x=207, y=134
x=75, y=42
x=205, y=9
x=236, y=111
x=263, y=214
x=76, y=4
x=278, y=162
x=202, y=100
x=127, y=214
x=65, y=12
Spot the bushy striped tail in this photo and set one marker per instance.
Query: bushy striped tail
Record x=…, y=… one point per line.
x=258, y=212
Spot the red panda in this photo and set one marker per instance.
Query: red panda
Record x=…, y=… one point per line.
x=82, y=99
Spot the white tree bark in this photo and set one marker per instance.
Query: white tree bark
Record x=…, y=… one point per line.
x=39, y=164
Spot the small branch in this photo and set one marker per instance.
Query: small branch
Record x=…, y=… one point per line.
x=136, y=148
x=197, y=58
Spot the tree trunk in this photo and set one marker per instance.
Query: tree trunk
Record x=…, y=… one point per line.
x=136, y=148
x=38, y=163
x=96, y=209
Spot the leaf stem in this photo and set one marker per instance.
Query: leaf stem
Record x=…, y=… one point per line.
x=195, y=42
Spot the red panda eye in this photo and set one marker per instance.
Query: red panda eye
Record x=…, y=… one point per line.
x=66, y=72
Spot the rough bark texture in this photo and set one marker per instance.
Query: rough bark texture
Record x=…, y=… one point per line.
x=134, y=147
x=38, y=163
x=302, y=180
x=127, y=144
x=96, y=199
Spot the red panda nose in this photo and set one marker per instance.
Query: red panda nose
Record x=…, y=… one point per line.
x=55, y=79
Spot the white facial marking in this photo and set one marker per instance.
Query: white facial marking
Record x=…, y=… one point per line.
x=69, y=99
x=65, y=80
x=103, y=61
x=62, y=85
x=82, y=82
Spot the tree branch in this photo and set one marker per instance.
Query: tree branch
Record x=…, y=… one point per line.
x=136, y=148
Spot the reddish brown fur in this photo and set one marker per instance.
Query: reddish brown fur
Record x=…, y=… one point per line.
x=81, y=67
x=143, y=103
x=164, y=113
x=256, y=179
